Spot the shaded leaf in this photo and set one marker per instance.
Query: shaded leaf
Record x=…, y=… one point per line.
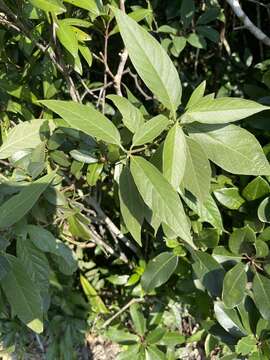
x=261, y=293
x=234, y=286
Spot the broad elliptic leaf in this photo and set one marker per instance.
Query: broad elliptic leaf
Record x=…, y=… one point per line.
x=151, y=62
x=256, y=189
x=261, y=293
x=43, y=239
x=158, y=271
x=138, y=319
x=264, y=210
x=85, y=118
x=246, y=345
x=197, y=95
x=197, y=175
x=208, y=271
x=241, y=239
x=234, y=286
x=18, y=205
x=149, y=130
x=132, y=117
x=160, y=197
x=131, y=205
x=232, y=148
x=229, y=197
x=23, y=295
x=54, y=6
x=174, y=156
x=221, y=110
x=25, y=135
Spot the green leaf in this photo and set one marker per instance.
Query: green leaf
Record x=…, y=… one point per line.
x=197, y=41
x=23, y=295
x=172, y=338
x=261, y=293
x=198, y=171
x=229, y=320
x=158, y=271
x=86, y=119
x=138, y=319
x=261, y=247
x=160, y=197
x=153, y=353
x=94, y=299
x=208, y=271
x=246, y=345
x=122, y=337
x=232, y=148
x=90, y=5
x=42, y=238
x=86, y=53
x=256, y=189
x=137, y=15
x=148, y=131
x=234, y=286
x=132, y=117
x=174, y=156
x=264, y=210
x=18, y=205
x=151, y=62
x=241, y=239
x=229, y=197
x=131, y=205
x=197, y=95
x=83, y=156
x=55, y=6
x=155, y=336
x=25, y=135
x=221, y=110
x=67, y=38
x=209, y=15
x=93, y=173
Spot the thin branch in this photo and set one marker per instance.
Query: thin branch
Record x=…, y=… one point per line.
x=122, y=5
x=138, y=86
x=120, y=71
x=258, y=33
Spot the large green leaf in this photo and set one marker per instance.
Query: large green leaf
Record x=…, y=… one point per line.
x=261, y=293
x=67, y=38
x=229, y=197
x=23, y=295
x=86, y=119
x=234, y=286
x=132, y=117
x=148, y=131
x=25, y=135
x=131, y=205
x=55, y=6
x=221, y=110
x=256, y=189
x=18, y=205
x=174, y=156
x=160, y=197
x=232, y=148
x=198, y=171
x=151, y=62
x=158, y=271
x=209, y=272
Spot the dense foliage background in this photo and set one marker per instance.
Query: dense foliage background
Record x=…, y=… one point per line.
x=94, y=238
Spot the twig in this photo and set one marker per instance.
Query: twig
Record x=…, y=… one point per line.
x=258, y=33
x=138, y=86
x=131, y=302
x=119, y=74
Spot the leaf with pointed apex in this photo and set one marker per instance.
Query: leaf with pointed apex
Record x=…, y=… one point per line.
x=132, y=117
x=151, y=62
x=160, y=197
x=234, y=286
x=138, y=319
x=197, y=95
x=241, y=239
x=55, y=6
x=23, y=295
x=158, y=271
x=149, y=130
x=256, y=189
x=174, y=156
x=261, y=293
x=67, y=38
x=86, y=119
x=232, y=148
x=198, y=171
x=222, y=110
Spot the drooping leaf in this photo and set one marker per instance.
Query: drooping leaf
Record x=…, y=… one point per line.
x=261, y=293
x=25, y=135
x=232, y=148
x=55, y=6
x=94, y=299
x=209, y=272
x=131, y=205
x=18, y=205
x=160, y=197
x=158, y=271
x=132, y=117
x=151, y=62
x=23, y=295
x=221, y=110
x=234, y=286
x=198, y=171
x=174, y=156
x=148, y=131
x=86, y=119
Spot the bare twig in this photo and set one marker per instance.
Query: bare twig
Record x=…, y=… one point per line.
x=258, y=33
x=119, y=74
x=138, y=86
x=123, y=309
